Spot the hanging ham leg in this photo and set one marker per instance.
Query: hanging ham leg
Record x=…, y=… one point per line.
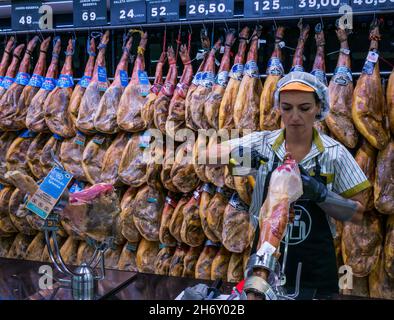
x=9, y=101
x=247, y=105
x=5, y=60
x=226, y=109
x=196, y=82
x=384, y=186
x=33, y=87
x=111, y=159
x=105, y=118
x=368, y=98
x=362, y=243
x=35, y=120
x=339, y=120
x=133, y=99
x=298, y=59
x=57, y=117
x=162, y=102
x=176, y=111
x=80, y=88
x=71, y=153
x=212, y=102
x=94, y=91
x=147, y=112
x=205, y=87
x=269, y=117
x=390, y=101
x=366, y=159
x=11, y=71
x=319, y=68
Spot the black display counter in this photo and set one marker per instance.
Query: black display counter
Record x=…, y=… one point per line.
x=20, y=280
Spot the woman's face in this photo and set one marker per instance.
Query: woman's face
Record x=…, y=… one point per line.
x=298, y=110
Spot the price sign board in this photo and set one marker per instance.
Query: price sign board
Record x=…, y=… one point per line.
x=163, y=11
x=371, y=5
x=25, y=15
x=90, y=13
x=128, y=12
x=268, y=8
x=323, y=6
x=209, y=9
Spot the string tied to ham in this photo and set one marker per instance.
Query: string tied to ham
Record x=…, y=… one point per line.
x=70, y=53
x=90, y=52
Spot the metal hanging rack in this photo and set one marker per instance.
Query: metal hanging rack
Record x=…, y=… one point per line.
x=236, y=19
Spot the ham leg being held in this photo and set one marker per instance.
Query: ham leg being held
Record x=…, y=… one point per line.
x=285, y=187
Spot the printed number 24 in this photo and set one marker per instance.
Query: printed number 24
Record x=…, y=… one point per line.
x=266, y=5
x=130, y=14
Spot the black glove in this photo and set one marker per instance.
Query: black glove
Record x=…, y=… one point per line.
x=314, y=190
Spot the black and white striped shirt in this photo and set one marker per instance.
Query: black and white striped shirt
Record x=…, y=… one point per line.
x=344, y=176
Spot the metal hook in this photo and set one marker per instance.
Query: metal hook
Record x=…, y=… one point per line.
x=275, y=25
x=226, y=26
x=322, y=23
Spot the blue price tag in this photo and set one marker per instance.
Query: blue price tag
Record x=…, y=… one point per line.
x=22, y=78
x=144, y=83
x=102, y=74
x=27, y=134
x=49, y=192
x=36, y=81
x=65, y=81
x=7, y=82
x=124, y=80
x=84, y=82
x=49, y=84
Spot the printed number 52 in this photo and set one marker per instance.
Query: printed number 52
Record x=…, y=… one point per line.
x=155, y=11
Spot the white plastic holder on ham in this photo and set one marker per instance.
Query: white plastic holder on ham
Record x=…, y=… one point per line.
x=83, y=280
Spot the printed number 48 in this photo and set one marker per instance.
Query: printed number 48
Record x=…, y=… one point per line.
x=155, y=11
x=25, y=20
x=123, y=15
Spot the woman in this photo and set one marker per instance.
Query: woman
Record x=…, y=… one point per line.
x=332, y=180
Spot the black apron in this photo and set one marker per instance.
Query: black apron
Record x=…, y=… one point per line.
x=310, y=242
